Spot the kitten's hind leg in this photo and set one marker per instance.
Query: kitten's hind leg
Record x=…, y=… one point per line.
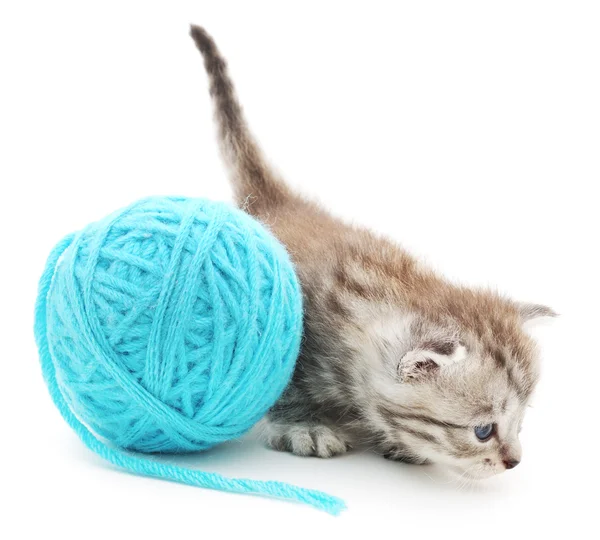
x=303, y=438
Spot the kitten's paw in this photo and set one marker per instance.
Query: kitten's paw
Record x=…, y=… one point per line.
x=305, y=440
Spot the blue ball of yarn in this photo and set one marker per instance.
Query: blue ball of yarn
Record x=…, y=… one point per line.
x=174, y=324
x=171, y=326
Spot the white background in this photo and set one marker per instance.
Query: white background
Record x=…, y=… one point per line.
x=468, y=131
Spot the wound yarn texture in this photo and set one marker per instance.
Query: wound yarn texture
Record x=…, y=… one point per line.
x=172, y=325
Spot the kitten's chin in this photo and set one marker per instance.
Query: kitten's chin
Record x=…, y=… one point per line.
x=472, y=473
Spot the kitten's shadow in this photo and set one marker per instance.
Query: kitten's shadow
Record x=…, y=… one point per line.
x=249, y=458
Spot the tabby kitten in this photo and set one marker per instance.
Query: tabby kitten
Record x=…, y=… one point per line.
x=393, y=355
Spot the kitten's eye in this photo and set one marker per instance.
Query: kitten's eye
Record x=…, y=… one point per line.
x=483, y=433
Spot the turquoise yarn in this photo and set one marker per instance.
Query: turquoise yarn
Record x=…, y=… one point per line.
x=171, y=326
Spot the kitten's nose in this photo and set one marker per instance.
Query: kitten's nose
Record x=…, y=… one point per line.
x=511, y=463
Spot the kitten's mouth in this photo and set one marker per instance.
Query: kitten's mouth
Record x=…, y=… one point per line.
x=472, y=474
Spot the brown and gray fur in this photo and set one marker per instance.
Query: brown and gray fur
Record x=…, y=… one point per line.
x=394, y=356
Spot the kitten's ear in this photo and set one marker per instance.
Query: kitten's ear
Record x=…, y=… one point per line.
x=420, y=364
x=529, y=312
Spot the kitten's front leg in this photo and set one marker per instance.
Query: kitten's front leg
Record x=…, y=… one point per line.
x=400, y=454
x=304, y=438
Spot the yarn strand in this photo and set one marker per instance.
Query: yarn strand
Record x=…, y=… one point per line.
x=145, y=466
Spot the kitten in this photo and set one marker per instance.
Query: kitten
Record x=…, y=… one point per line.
x=393, y=355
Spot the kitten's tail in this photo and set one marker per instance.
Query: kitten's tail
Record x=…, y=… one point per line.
x=250, y=174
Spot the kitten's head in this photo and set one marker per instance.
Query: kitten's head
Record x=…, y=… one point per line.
x=454, y=390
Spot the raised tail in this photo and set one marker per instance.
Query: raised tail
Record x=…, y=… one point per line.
x=254, y=183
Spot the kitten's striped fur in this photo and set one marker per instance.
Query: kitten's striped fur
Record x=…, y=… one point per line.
x=393, y=355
